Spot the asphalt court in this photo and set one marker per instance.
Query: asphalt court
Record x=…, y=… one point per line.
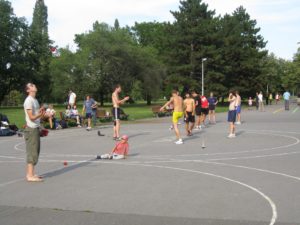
x=210, y=179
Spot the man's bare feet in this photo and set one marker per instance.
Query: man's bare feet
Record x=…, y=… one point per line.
x=34, y=179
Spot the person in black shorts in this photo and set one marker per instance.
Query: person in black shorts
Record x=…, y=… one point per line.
x=189, y=113
x=212, y=107
x=197, y=109
x=204, y=109
x=116, y=110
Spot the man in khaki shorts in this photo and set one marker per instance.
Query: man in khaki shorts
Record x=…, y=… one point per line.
x=33, y=113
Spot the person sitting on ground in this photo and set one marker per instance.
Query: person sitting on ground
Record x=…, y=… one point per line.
x=120, y=151
x=74, y=114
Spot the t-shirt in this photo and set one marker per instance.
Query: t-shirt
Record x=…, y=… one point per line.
x=68, y=113
x=197, y=102
x=33, y=104
x=250, y=101
x=121, y=148
x=88, y=105
x=238, y=100
x=232, y=104
x=204, y=102
x=74, y=112
x=72, y=98
x=212, y=100
x=260, y=98
x=286, y=95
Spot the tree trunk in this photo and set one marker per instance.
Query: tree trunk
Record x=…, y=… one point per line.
x=149, y=99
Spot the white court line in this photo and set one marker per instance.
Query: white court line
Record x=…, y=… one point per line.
x=295, y=110
x=9, y=157
x=16, y=147
x=226, y=164
x=11, y=182
x=278, y=110
x=256, y=169
x=297, y=141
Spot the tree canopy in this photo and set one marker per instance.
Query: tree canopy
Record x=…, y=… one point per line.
x=147, y=59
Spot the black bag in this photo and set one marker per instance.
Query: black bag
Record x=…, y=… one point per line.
x=13, y=127
x=63, y=124
x=7, y=132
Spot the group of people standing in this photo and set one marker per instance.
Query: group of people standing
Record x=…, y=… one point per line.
x=194, y=108
x=260, y=100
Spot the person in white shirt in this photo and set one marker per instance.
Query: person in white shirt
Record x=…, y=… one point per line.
x=72, y=98
x=261, y=102
x=33, y=113
x=232, y=113
x=286, y=97
x=75, y=114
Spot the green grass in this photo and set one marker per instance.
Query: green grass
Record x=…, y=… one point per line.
x=135, y=111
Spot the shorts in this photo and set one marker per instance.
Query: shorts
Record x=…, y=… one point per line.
x=190, y=118
x=204, y=111
x=32, y=140
x=231, y=116
x=177, y=116
x=238, y=109
x=89, y=115
x=212, y=107
x=116, y=112
x=198, y=111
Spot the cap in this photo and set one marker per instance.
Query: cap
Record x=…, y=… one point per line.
x=125, y=137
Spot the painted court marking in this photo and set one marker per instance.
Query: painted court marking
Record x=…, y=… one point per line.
x=278, y=110
x=295, y=110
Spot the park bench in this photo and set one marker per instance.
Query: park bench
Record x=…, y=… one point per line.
x=157, y=113
x=102, y=114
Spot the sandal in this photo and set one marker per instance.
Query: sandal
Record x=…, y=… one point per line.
x=34, y=179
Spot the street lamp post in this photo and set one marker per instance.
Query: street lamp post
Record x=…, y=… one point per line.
x=203, y=60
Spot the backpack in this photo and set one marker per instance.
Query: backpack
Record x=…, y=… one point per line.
x=13, y=127
x=63, y=124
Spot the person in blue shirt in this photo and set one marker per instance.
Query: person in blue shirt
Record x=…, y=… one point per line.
x=286, y=97
x=88, y=106
x=212, y=107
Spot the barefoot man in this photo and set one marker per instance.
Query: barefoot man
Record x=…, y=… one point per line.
x=33, y=113
x=116, y=110
x=177, y=101
x=189, y=113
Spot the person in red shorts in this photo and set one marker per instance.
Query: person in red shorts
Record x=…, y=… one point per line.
x=120, y=151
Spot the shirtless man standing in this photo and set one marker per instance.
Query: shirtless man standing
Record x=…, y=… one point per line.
x=116, y=110
x=189, y=112
x=177, y=101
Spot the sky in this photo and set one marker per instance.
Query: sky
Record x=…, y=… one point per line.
x=279, y=20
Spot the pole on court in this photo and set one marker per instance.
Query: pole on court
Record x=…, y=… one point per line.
x=203, y=60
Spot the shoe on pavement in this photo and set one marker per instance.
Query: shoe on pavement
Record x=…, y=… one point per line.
x=231, y=136
x=179, y=142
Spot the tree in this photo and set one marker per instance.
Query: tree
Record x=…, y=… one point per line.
x=13, y=50
x=242, y=52
x=40, y=49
